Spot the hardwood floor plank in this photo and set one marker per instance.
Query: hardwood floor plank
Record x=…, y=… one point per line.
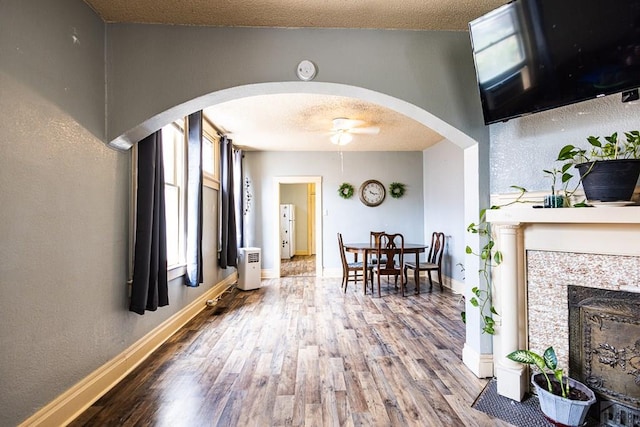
x=300, y=352
x=283, y=411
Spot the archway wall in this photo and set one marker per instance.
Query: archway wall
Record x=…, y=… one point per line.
x=157, y=73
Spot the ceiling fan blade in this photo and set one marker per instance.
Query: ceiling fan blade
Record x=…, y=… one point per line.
x=344, y=123
x=370, y=130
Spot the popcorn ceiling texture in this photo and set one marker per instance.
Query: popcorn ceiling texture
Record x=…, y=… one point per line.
x=407, y=14
x=548, y=276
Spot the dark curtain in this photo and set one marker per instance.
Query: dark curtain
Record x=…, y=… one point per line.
x=149, y=290
x=194, y=201
x=228, y=236
x=238, y=187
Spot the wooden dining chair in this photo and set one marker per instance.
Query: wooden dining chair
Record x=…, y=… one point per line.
x=351, y=271
x=433, y=263
x=374, y=238
x=390, y=253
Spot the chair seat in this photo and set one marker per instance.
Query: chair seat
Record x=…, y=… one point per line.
x=433, y=261
x=383, y=260
x=355, y=264
x=421, y=266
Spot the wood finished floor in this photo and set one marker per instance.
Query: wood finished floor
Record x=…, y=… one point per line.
x=300, y=352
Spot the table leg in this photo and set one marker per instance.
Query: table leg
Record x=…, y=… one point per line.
x=364, y=271
x=417, y=273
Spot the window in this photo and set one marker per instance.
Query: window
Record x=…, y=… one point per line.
x=210, y=156
x=173, y=147
x=497, y=42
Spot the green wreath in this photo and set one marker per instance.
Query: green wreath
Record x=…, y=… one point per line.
x=396, y=190
x=345, y=190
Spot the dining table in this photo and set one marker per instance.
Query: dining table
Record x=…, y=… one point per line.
x=366, y=248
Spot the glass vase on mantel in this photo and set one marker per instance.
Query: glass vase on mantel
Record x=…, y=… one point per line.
x=553, y=201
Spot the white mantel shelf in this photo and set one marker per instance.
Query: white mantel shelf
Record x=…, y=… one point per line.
x=591, y=215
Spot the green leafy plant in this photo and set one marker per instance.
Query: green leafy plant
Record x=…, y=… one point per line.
x=564, y=176
x=345, y=190
x=490, y=257
x=396, y=189
x=548, y=361
x=612, y=149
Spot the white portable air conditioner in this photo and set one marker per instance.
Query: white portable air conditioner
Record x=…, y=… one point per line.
x=249, y=268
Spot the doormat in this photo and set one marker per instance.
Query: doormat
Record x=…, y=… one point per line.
x=521, y=414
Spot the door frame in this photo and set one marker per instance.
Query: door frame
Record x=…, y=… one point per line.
x=317, y=180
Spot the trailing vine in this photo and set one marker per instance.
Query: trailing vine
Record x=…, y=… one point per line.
x=490, y=257
x=396, y=189
x=346, y=190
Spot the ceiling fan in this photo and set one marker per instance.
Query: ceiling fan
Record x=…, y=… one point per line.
x=343, y=129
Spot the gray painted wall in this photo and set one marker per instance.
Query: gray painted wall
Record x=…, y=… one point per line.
x=64, y=195
x=350, y=217
x=444, y=204
x=64, y=203
x=151, y=68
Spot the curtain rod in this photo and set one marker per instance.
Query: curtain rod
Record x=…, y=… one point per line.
x=216, y=128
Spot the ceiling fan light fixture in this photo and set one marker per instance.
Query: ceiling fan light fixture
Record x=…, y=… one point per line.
x=341, y=138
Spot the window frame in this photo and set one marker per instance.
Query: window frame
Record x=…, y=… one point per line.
x=178, y=268
x=209, y=132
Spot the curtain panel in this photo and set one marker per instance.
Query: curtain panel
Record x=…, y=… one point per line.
x=237, y=194
x=228, y=236
x=149, y=289
x=193, y=276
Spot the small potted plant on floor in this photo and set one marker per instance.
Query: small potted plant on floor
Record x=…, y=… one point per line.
x=563, y=400
x=609, y=170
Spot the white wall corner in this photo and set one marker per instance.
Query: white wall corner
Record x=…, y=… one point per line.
x=480, y=364
x=456, y=286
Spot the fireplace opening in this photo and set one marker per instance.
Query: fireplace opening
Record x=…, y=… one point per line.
x=604, y=351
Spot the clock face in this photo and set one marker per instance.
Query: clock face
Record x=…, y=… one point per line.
x=372, y=192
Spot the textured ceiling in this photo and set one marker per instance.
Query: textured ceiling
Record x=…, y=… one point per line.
x=302, y=121
x=389, y=14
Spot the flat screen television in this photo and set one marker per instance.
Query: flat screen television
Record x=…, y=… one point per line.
x=534, y=55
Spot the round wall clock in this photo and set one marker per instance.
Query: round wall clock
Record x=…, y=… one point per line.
x=372, y=192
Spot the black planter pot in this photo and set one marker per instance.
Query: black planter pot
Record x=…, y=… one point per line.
x=609, y=180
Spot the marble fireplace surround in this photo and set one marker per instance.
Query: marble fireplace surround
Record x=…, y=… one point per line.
x=546, y=250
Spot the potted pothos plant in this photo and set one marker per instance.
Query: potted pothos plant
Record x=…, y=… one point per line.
x=609, y=170
x=563, y=400
x=613, y=151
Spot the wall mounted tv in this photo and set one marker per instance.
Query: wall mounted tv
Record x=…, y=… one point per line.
x=534, y=55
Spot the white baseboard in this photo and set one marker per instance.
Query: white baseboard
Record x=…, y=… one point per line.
x=332, y=272
x=455, y=286
x=70, y=404
x=269, y=274
x=480, y=364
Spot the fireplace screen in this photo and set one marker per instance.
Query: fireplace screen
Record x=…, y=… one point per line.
x=604, y=343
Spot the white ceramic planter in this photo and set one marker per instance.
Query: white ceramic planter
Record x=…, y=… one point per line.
x=562, y=410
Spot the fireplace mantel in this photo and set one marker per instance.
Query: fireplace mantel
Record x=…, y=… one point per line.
x=594, y=230
x=599, y=215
